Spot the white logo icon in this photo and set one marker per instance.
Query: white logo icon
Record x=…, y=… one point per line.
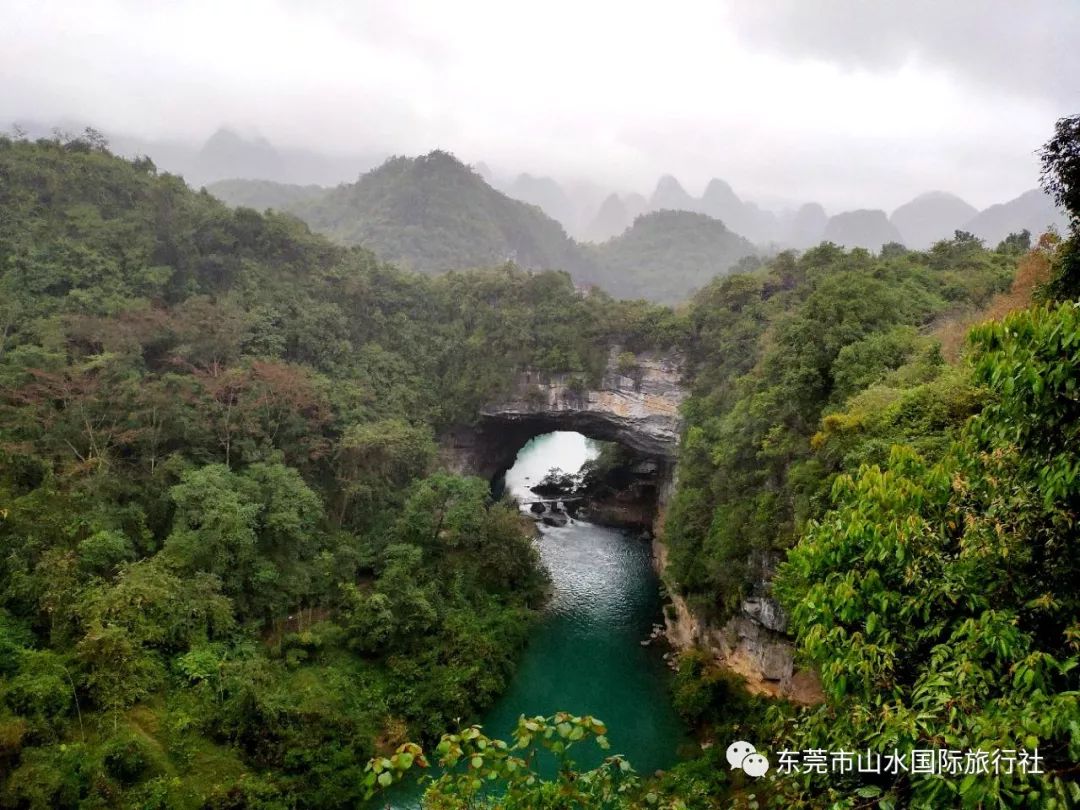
x=742, y=755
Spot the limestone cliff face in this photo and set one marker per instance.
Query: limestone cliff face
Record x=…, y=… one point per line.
x=635, y=404
x=753, y=644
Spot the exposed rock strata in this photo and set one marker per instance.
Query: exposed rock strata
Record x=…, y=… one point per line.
x=638, y=407
x=752, y=645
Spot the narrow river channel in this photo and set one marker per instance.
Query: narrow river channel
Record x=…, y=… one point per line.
x=585, y=655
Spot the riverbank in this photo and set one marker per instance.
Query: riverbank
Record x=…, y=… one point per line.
x=621, y=490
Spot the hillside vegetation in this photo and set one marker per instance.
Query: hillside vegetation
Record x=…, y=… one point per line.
x=916, y=519
x=667, y=255
x=434, y=214
x=229, y=573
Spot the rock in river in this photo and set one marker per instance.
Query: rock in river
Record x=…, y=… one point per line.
x=555, y=519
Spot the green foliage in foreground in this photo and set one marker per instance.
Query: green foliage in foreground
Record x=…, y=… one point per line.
x=938, y=600
x=1061, y=179
x=481, y=772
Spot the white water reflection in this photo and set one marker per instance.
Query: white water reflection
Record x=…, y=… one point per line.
x=563, y=449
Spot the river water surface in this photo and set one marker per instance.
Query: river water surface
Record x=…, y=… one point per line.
x=585, y=655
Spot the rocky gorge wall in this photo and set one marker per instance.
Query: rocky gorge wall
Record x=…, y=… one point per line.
x=638, y=407
x=753, y=644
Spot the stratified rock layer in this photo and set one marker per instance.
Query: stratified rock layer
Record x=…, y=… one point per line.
x=635, y=404
x=752, y=644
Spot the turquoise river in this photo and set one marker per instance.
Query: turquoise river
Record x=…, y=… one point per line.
x=585, y=656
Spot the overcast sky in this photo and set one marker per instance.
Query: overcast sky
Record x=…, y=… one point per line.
x=847, y=102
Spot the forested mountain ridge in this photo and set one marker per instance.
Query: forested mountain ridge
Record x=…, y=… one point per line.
x=228, y=572
x=666, y=255
x=434, y=214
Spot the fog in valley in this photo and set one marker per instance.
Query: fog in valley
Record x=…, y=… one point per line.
x=770, y=117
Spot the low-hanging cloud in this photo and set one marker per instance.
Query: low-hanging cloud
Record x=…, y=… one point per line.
x=850, y=104
x=1028, y=48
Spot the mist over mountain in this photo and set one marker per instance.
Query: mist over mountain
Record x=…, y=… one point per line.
x=433, y=213
x=743, y=217
x=805, y=226
x=669, y=195
x=226, y=155
x=918, y=224
x=574, y=204
x=485, y=172
x=666, y=255
x=282, y=177
x=545, y=194
x=865, y=228
x=615, y=214
x=720, y=202
x=611, y=220
x=1033, y=210
x=800, y=228
x=263, y=194
x=257, y=167
x=636, y=205
x=931, y=217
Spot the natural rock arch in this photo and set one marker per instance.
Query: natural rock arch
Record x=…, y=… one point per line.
x=637, y=407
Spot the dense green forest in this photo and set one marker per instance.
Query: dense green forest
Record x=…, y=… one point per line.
x=667, y=255
x=224, y=549
x=233, y=576
x=775, y=350
x=914, y=516
x=433, y=214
